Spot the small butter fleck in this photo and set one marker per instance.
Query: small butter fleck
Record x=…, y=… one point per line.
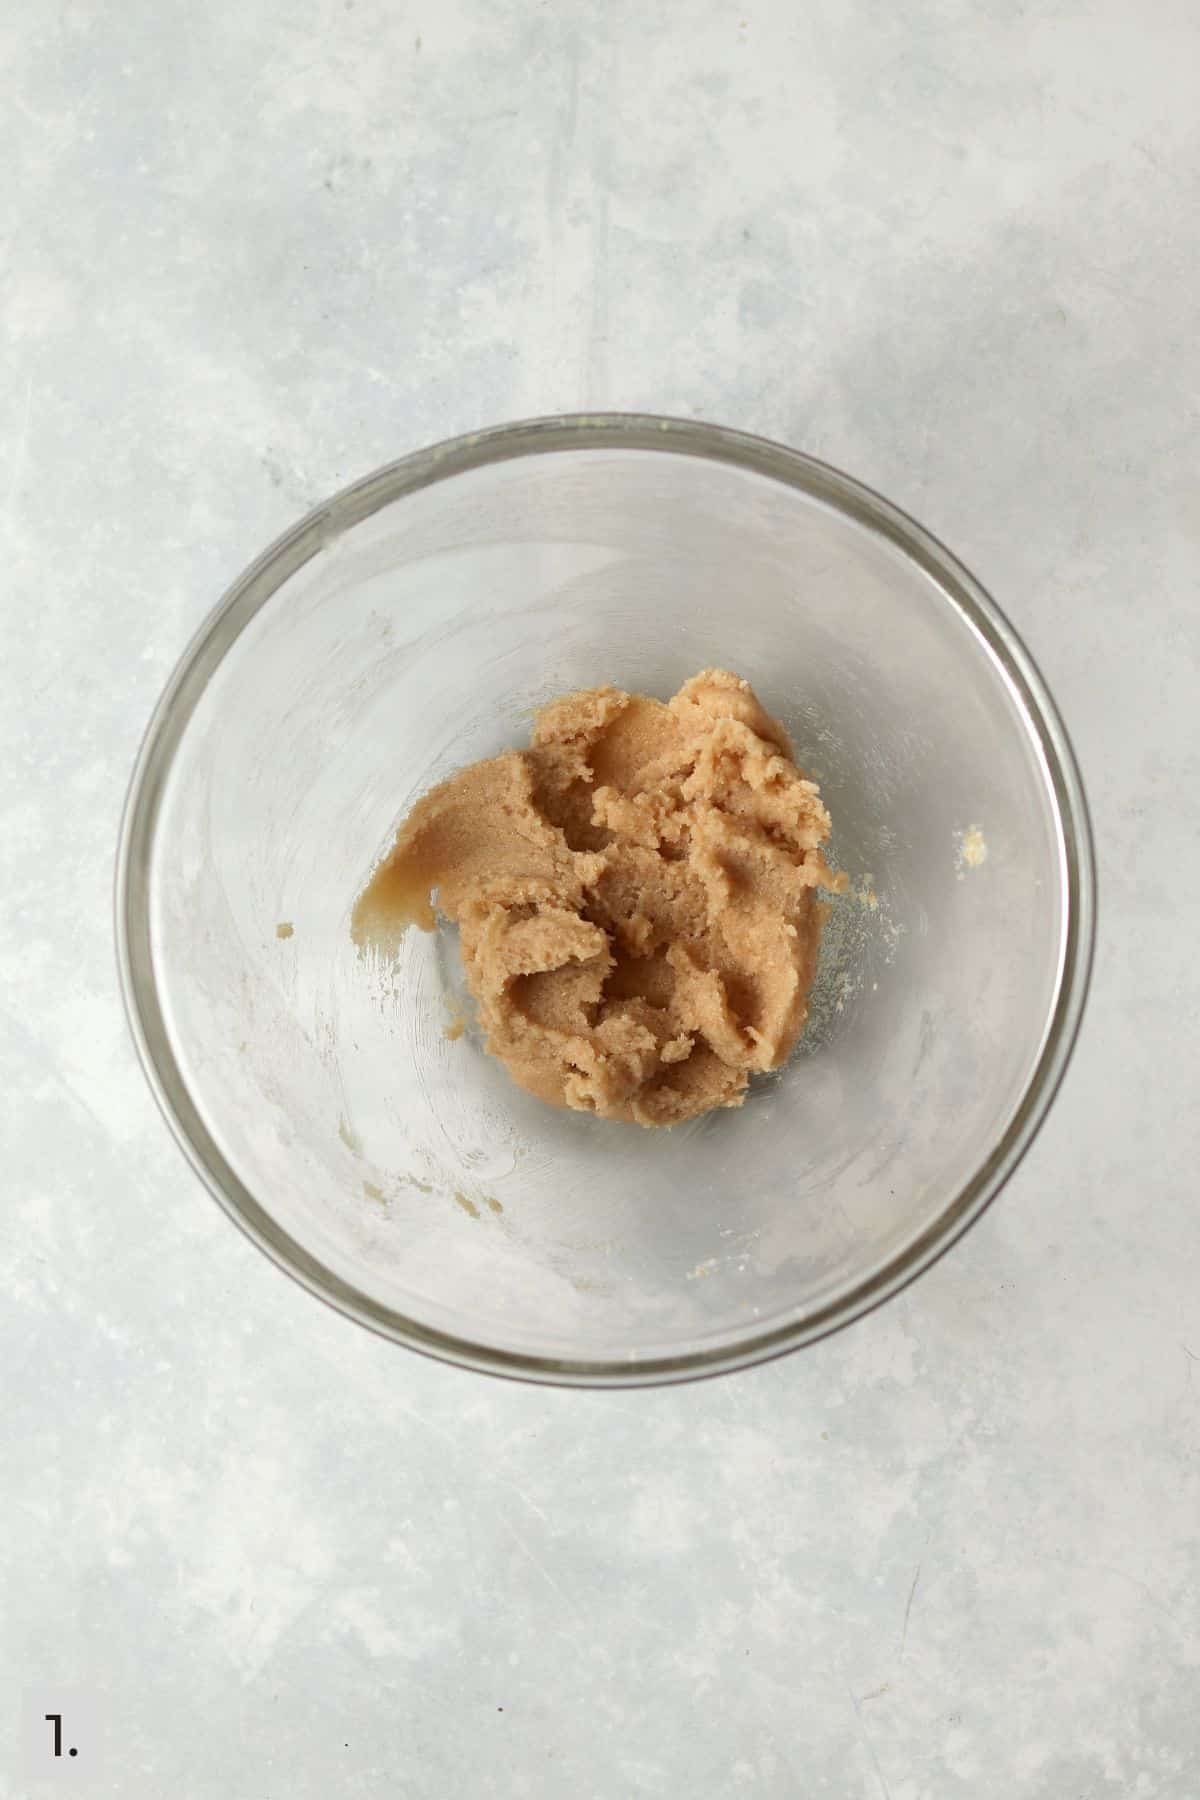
x=284, y=929
x=372, y=1192
x=468, y=1206
x=493, y=1203
x=972, y=849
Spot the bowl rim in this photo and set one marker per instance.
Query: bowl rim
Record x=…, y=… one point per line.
x=652, y=433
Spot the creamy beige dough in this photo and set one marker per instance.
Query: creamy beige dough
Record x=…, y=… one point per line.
x=636, y=895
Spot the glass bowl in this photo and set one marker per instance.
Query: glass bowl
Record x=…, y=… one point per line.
x=333, y=1103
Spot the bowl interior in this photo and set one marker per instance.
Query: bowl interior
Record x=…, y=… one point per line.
x=395, y=1167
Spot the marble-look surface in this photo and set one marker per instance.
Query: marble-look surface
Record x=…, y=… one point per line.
x=252, y=251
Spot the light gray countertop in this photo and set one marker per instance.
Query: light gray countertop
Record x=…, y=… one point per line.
x=249, y=253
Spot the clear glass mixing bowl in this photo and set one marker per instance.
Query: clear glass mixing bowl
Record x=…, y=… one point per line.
x=413, y=624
